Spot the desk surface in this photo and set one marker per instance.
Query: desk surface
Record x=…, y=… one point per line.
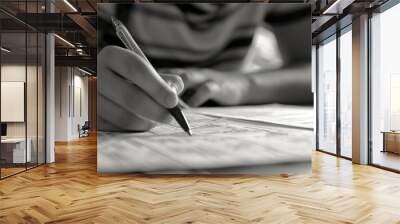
x=13, y=140
x=390, y=132
x=253, y=139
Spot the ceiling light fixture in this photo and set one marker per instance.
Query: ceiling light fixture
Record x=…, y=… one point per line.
x=64, y=40
x=337, y=7
x=329, y=9
x=84, y=71
x=5, y=50
x=70, y=5
x=80, y=51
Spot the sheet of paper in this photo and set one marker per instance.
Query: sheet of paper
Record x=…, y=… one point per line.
x=286, y=115
x=216, y=143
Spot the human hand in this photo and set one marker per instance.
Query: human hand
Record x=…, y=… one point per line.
x=131, y=95
x=201, y=85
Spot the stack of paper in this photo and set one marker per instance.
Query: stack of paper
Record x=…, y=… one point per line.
x=217, y=142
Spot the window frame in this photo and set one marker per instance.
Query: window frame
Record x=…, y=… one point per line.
x=333, y=37
x=378, y=10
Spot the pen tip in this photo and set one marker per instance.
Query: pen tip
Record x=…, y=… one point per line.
x=114, y=20
x=189, y=132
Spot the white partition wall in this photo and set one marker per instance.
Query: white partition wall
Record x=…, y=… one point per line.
x=71, y=102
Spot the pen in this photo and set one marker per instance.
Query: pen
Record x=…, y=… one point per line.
x=127, y=39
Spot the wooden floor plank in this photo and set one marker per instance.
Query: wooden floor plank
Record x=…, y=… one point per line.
x=70, y=191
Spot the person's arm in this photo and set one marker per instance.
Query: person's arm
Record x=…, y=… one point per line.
x=290, y=85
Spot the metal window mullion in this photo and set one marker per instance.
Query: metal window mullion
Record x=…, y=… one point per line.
x=37, y=91
x=317, y=95
x=369, y=78
x=73, y=92
x=26, y=88
x=45, y=92
x=338, y=99
x=0, y=97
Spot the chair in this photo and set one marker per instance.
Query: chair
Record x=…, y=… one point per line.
x=84, y=130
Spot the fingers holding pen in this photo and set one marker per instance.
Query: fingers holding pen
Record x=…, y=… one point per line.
x=135, y=69
x=130, y=97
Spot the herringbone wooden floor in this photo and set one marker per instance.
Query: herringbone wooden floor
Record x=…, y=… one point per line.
x=70, y=191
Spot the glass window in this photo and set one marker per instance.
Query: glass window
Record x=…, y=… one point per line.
x=327, y=95
x=385, y=88
x=15, y=150
x=346, y=92
x=22, y=92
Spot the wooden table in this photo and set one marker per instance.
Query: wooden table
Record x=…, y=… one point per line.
x=391, y=141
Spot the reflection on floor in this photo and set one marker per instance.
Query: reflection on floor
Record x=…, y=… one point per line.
x=386, y=159
x=10, y=169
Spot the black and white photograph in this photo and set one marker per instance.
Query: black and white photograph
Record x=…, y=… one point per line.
x=196, y=88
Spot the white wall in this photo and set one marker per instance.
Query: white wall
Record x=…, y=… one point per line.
x=62, y=81
x=34, y=125
x=13, y=101
x=12, y=73
x=70, y=83
x=80, y=109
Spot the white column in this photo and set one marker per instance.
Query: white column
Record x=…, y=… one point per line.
x=62, y=103
x=360, y=90
x=50, y=92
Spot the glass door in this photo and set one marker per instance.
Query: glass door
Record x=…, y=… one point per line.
x=345, y=58
x=326, y=81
